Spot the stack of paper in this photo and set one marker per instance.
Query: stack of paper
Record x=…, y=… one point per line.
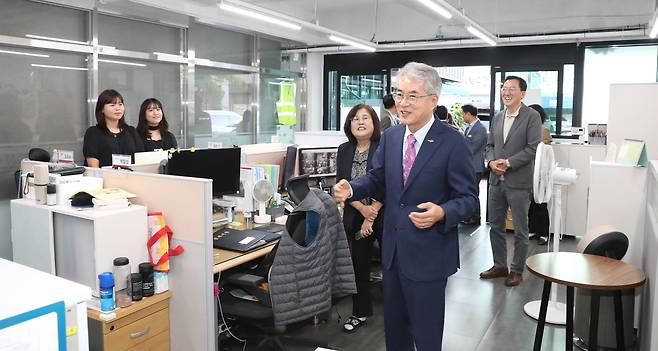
x=110, y=204
x=110, y=198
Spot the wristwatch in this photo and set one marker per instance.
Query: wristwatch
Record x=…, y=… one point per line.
x=507, y=163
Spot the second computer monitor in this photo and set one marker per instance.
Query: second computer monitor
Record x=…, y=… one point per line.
x=220, y=165
x=318, y=161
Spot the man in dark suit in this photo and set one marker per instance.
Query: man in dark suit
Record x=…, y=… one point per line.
x=510, y=154
x=423, y=170
x=476, y=137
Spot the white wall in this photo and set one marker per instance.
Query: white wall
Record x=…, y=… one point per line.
x=649, y=326
x=314, y=81
x=633, y=115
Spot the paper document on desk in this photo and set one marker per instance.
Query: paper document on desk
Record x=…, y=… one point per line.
x=107, y=194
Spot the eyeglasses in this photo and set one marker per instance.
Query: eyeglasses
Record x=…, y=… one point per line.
x=411, y=98
x=360, y=119
x=511, y=90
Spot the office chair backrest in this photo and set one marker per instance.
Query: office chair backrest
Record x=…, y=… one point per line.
x=38, y=154
x=605, y=241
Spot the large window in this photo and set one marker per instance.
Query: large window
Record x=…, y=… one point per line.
x=37, y=109
x=140, y=80
x=542, y=90
x=280, y=106
x=21, y=18
x=361, y=89
x=127, y=34
x=223, y=111
x=223, y=45
x=613, y=64
x=466, y=85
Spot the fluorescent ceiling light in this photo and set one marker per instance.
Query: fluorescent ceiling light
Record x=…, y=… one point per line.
x=259, y=16
x=352, y=43
x=122, y=63
x=33, y=36
x=436, y=8
x=654, y=25
x=22, y=53
x=60, y=67
x=478, y=33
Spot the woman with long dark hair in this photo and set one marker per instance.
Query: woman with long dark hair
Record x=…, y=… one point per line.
x=538, y=219
x=111, y=135
x=153, y=127
x=362, y=219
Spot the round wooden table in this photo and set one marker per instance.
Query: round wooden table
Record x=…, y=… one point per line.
x=576, y=270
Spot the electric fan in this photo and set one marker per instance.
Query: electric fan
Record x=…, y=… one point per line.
x=262, y=194
x=548, y=180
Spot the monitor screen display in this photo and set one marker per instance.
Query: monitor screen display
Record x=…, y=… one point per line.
x=318, y=162
x=220, y=165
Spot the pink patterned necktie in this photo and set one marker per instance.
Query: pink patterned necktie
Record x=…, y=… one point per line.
x=409, y=157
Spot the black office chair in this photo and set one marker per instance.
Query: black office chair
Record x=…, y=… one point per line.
x=258, y=314
x=604, y=241
x=38, y=154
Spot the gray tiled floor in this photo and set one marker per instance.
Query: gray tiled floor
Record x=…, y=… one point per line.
x=480, y=315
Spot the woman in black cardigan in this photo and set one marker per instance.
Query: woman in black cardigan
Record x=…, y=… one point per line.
x=362, y=219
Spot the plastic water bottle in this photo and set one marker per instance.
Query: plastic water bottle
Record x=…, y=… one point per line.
x=55, y=156
x=106, y=291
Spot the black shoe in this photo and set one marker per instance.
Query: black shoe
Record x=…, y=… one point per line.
x=542, y=241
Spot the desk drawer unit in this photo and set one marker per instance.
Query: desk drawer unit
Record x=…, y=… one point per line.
x=144, y=326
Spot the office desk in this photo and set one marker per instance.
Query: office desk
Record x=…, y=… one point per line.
x=575, y=270
x=225, y=259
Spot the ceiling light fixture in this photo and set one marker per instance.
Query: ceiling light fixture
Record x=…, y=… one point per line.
x=60, y=67
x=352, y=43
x=436, y=8
x=480, y=34
x=23, y=53
x=654, y=25
x=259, y=16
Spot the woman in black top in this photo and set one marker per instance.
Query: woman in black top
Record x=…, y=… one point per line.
x=153, y=127
x=111, y=135
x=362, y=219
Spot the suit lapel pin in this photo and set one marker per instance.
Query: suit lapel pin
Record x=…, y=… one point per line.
x=430, y=140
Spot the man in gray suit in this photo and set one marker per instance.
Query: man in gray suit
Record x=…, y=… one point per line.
x=476, y=137
x=510, y=153
x=390, y=115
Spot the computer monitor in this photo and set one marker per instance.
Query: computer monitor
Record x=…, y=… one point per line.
x=318, y=161
x=220, y=165
x=289, y=165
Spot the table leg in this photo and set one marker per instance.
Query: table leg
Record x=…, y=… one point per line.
x=619, y=321
x=594, y=321
x=568, y=346
x=541, y=321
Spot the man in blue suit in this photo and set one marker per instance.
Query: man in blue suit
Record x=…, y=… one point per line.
x=424, y=171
